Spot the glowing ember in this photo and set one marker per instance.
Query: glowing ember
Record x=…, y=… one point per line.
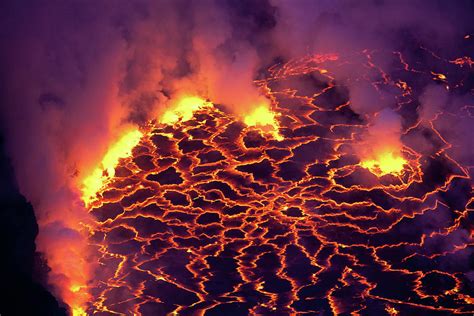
x=265, y=119
x=184, y=109
x=385, y=163
x=106, y=170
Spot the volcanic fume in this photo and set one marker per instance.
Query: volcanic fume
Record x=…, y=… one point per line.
x=246, y=157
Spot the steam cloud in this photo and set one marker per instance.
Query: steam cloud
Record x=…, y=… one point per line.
x=76, y=73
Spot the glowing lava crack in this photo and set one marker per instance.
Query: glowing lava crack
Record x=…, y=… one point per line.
x=210, y=215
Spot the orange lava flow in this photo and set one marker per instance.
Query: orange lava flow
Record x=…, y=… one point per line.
x=210, y=214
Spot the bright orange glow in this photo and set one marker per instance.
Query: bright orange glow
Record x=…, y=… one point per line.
x=263, y=117
x=385, y=163
x=76, y=288
x=184, y=109
x=439, y=76
x=80, y=297
x=391, y=310
x=78, y=311
x=106, y=169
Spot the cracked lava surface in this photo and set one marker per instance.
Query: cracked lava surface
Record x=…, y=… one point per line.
x=209, y=216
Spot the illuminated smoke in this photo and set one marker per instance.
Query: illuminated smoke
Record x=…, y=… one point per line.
x=382, y=146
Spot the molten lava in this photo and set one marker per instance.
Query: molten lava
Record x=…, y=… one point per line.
x=209, y=215
x=265, y=119
x=385, y=163
x=78, y=311
x=183, y=109
x=122, y=148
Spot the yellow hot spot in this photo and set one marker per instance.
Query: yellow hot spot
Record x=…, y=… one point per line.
x=78, y=311
x=76, y=288
x=391, y=310
x=184, y=110
x=122, y=148
x=263, y=117
x=385, y=163
x=439, y=76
